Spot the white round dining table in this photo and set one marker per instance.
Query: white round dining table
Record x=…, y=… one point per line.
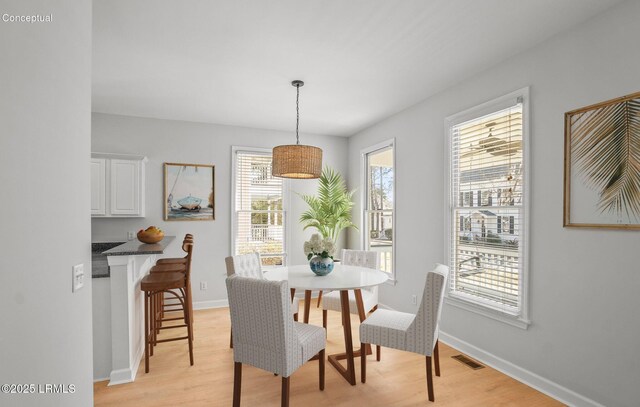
x=343, y=278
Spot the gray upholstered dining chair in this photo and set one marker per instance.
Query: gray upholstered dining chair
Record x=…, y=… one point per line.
x=250, y=265
x=265, y=334
x=413, y=333
x=362, y=258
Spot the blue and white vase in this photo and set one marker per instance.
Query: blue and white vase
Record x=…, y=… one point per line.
x=321, y=266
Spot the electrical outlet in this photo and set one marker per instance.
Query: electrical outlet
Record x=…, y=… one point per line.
x=414, y=299
x=77, y=277
x=131, y=235
x=203, y=285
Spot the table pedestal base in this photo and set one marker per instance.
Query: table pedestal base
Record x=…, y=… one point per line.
x=349, y=372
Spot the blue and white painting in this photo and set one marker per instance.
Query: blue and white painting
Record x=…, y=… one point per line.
x=189, y=192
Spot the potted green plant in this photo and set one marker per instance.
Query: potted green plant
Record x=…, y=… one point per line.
x=330, y=211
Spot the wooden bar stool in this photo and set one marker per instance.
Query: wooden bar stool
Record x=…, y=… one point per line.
x=169, y=303
x=171, y=265
x=174, y=281
x=177, y=260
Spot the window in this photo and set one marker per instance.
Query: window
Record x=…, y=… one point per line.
x=487, y=207
x=378, y=216
x=259, y=217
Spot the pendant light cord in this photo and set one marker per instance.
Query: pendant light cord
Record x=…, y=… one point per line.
x=297, y=113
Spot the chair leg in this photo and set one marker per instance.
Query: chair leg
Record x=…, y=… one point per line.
x=155, y=320
x=378, y=353
x=321, y=367
x=436, y=359
x=158, y=313
x=146, y=332
x=324, y=319
x=363, y=363
x=237, y=383
x=307, y=305
x=429, y=379
x=188, y=317
x=231, y=339
x=319, y=299
x=154, y=317
x=293, y=294
x=285, y=392
x=152, y=325
x=190, y=301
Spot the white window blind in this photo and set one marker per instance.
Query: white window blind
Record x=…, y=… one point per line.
x=259, y=216
x=379, y=203
x=487, y=209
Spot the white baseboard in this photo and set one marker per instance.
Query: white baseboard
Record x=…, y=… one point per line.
x=384, y=306
x=138, y=360
x=314, y=294
x=225, y=303
x=210, y=304
x=123, y=376
x=531, y=379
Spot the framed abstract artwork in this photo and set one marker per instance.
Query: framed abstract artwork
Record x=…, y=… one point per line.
x=602, y=165
x=189, y=192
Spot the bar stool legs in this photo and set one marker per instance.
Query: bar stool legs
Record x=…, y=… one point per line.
x=190, y=334
x=146, y=332
x=167, y=289
x=153, y=319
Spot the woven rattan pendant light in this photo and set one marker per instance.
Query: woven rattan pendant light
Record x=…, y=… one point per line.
x=297, y=160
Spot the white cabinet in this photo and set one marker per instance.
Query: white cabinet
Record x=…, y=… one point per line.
x=117, y=185
x=98, y=187
x=125, y=187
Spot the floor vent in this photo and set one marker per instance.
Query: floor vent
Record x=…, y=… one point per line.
x=468, y=362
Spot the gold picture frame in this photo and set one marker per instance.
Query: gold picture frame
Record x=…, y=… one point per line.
x=602, y=165
x=189, y=192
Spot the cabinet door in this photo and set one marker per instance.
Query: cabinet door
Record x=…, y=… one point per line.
x=125, y=187
x=98, y=187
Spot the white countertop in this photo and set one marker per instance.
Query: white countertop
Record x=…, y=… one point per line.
x=135, y=247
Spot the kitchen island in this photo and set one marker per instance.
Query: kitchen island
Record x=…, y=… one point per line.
x=119, y=310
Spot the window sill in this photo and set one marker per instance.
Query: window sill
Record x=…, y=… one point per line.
x=512, y=320
x=391, y=281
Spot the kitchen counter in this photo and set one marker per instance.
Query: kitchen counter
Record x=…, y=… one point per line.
x=99, y=264
x=118, y=308
x=134, y=248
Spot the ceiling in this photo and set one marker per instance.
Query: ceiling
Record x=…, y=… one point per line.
x=231, y=62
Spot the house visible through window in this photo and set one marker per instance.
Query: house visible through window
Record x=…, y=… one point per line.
x=260, y=172
x=379, y=179
x=487, y=204
x=259, y=215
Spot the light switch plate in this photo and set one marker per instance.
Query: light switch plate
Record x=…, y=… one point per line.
x=77, y=277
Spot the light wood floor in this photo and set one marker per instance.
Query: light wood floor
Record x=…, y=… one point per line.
x=398, y=380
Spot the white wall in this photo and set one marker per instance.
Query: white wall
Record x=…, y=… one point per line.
x=199, y=143
x=102, y=354
x=584, y=283
x=45, y=102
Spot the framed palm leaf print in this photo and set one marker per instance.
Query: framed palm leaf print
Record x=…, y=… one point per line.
x=602, y=165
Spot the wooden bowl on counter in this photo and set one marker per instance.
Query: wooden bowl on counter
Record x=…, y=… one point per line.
x=150, y=237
